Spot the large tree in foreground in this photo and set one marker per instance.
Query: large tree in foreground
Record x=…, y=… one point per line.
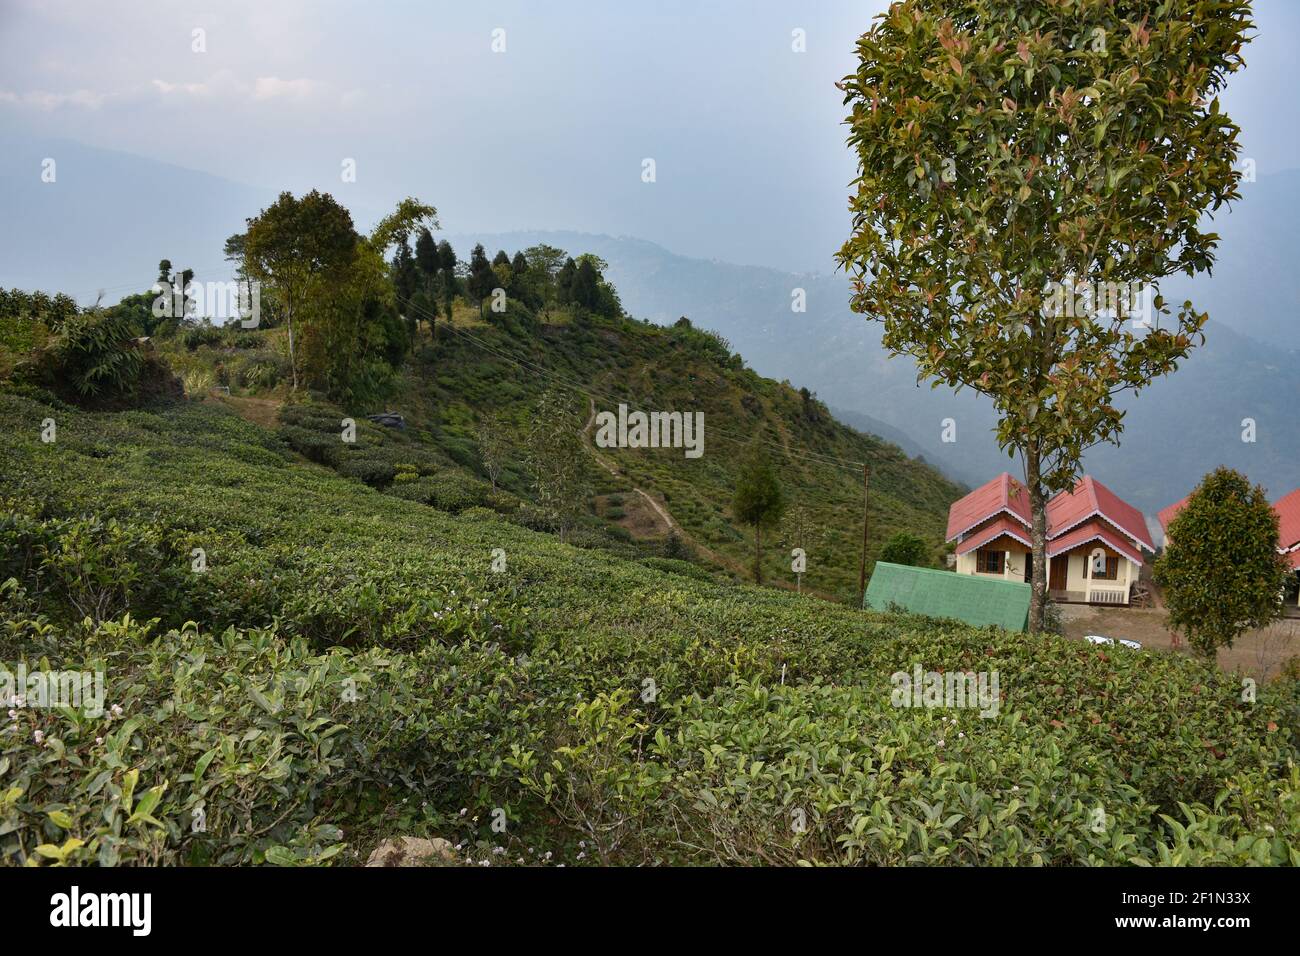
x=301, y=248
x=1221, y=571
x=1024, y=165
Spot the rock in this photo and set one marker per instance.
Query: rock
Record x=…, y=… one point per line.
x=411, y=851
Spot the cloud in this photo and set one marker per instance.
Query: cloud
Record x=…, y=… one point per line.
x=272, y=87
x=47, y=101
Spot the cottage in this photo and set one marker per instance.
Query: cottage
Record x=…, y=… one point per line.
x=1095, y=540
x=1288, y=528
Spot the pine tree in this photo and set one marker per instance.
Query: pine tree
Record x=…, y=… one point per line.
x=482, y=280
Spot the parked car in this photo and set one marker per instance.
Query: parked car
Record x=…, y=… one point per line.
x=1099, y=639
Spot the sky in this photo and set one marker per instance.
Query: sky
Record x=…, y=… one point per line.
x=551, y=132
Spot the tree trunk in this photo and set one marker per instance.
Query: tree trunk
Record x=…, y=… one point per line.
x=1038, y=539
x=758, y=553
x=293, y=364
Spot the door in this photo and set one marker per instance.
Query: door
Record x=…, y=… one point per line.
x=1056, y=574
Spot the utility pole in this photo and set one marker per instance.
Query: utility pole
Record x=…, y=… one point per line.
x=862, y=567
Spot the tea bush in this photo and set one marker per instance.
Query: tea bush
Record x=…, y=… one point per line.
x=348, y=664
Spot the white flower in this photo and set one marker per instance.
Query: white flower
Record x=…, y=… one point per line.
x=13, y=714
x=117, y=710
x=39, y=736
x=464, y=810
x=99, y=741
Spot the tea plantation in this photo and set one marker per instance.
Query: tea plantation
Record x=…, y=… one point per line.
x=298, y=665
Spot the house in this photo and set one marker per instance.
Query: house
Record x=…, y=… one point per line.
x=1096, y=541
x=1288, y=527
x=975, y=600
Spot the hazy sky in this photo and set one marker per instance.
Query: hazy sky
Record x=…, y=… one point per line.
x=745, y=133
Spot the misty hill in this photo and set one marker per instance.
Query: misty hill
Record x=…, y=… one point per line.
x=1176, y=430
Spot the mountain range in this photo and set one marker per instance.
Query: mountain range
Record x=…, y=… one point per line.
x=108, y=217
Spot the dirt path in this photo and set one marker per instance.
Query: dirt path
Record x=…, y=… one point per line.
x=1259, y=654
x=259, y=411
x=665, y=517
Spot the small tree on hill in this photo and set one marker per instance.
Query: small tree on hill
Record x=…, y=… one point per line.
x=493, y=449
x=904, y=548
x=1025, y=165
x=758, y=501
x=556, y=456
x=482, y=280
x=1221, y=571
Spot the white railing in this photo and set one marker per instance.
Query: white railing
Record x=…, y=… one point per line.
x=1108, y=595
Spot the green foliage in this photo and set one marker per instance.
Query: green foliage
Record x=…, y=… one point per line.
x=556, y=455
x=1221, y=571
x=351, y=664
x=904, y=548
x=1019, y=160
x=758, y=501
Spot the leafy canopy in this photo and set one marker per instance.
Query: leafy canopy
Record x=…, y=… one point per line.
x=1221, y=570
x=1011, y=148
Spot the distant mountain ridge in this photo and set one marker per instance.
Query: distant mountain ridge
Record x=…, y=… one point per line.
x=110, y=216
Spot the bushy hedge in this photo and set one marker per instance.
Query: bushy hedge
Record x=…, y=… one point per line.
x=351, y=663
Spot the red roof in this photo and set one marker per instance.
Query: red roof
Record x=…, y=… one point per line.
x=1094, y=530
x=1002, y=494
x=1006, y=499
x=1288, y=520
x=997, y=529
x=1091, y=498
x=1167, y=515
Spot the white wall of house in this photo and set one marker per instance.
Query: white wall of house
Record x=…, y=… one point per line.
x=1079, y=583
x=1013, y=568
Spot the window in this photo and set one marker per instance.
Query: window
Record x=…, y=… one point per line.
x=989, y=562
x=1110, y=571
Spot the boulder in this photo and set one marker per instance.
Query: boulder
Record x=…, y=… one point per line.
x=411, y=851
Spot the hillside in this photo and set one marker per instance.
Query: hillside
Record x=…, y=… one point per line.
x=496, y=370
x=347, y=666
x=1175, y=431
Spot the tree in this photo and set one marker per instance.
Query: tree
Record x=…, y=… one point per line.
x=586, y=284
x=556, y=456
x=482, y=280
x=299, y=246
x=564, y=282
x=758, y=501
x=447, y=260
x=428, y=262
x=1221, y=570
x=493, y=449
x=1025, y=165
x=165, y=271
x=544, y=265
x=904, y=548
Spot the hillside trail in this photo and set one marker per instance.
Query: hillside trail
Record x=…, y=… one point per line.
x=670, y=523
